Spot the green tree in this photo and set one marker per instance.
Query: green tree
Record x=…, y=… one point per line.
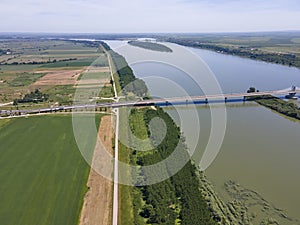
x=251, y=90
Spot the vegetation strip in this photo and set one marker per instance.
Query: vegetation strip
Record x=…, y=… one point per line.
x=286, y=108
x=256, y=51
x=150, y=46
x=177, y=200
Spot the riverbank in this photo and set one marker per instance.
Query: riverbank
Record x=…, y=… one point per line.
x=245, y=51
x=177, y=200
x=257, y=160
x=286, y=108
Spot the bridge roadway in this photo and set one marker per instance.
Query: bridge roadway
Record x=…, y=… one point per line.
x=180, y=100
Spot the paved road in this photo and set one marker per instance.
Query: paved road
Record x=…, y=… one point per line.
x=116, y=163
x=117, y=104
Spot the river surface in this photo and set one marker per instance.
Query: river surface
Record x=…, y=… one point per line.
x=261, y=149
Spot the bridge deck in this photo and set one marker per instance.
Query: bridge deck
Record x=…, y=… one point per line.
x=179, y=100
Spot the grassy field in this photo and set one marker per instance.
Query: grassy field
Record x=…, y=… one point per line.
x=75, y=63
x=42, y=51
x=24, y=79
x=97, y=75
x=42, y=173
x=107, y=92
x=125, y=192
x=63, y=94
x=139, y=127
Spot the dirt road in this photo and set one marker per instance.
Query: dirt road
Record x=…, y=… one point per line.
x=97, y=206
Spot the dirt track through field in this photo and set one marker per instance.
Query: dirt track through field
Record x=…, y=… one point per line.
x=97, y=206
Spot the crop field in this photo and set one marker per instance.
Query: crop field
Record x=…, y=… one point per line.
x=42, y=173
x=74, y=63
x=52, y=66
x=29, y=51
x=293, y=48
x=95, y=75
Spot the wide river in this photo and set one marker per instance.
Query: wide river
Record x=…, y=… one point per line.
x=261, y=149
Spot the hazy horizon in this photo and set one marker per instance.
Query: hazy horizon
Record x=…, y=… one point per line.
x=154, y=33
x=145, y=16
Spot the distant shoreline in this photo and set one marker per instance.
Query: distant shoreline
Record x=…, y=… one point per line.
x=290, y=59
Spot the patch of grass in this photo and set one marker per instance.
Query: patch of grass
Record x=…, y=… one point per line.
x=126, y=203
x=71, y=51
x=125, y=194
x=63, y=94
x=18, y=67
x=117, y=82
x=282, y=48
x=4, y=122
x=137, y=124
x=101, y=61
x=75, y=63
x=94, y=75
x=25, y=79
x=139, y=128
x=107, y=92
x=43, y=175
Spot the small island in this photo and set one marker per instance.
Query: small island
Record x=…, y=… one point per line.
x=150, y=46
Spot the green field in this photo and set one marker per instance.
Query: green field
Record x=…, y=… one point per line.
x=126, y=215
x=64, y=94
x=75, y=63
x=42, y=173
x=93, y=75
x=24, y=79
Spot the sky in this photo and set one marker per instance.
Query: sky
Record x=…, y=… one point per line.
x=148, y=16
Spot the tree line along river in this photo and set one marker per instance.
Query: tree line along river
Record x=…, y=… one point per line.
x=258, y=161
